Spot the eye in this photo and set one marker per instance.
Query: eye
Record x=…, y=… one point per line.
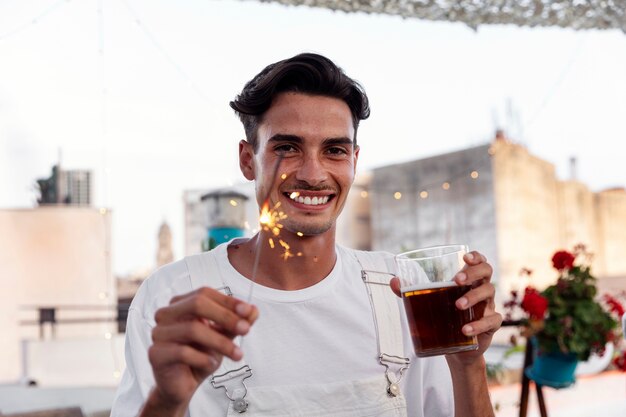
x=285, y=149
x=337, y=151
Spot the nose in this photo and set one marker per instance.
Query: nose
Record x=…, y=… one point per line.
x=311, y=171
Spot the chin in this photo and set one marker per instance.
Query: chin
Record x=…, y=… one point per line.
x=309, y=228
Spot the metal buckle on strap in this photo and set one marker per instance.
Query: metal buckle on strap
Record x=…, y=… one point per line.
x=220, y=381
x=226, y=290
x=366, y=280
x=393, y=387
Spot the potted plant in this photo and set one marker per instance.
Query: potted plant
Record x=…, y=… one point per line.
x=566, y=322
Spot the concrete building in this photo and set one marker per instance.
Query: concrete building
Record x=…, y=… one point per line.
x=69, y=187
x=58, y=297
x=75, y=185
x=503, y=201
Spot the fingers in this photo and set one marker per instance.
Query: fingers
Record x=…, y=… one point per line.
x=488, y=324
x=474, y=258
x=482, y=293
x=198, y=328
x=473, y=273
x=165, y=354
x=227, y=313
x=198, y=335
x=395, y=286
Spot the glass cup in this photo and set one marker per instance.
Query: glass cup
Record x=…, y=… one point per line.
x=429, y=294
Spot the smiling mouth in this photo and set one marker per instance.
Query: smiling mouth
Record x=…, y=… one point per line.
x=309, y=200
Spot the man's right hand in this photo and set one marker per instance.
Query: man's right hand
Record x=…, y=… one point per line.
x=192, y=335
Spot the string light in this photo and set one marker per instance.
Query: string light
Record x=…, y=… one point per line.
x=164, y=53
x=474, y=174
x=424, y=194
x=300, y=234
x=102, y=295
x=116, y=374
x=32, y=21
x=107, y=336
x=445, y=185
x=364, y=194
x=283, y=177
x=397, y=195
x=103, y=211
x=233, y=203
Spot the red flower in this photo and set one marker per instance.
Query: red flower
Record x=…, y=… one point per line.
x=620, y=361
x=614, y=305
x=534, y=303
x=563, y=260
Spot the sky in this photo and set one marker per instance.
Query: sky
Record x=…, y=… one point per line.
x=138, y=91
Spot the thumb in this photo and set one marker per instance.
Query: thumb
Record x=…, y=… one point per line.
x=395, y=286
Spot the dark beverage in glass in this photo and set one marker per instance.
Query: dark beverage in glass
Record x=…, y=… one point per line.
x=434, y=320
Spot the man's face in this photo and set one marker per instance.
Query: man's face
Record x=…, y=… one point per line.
x=312, y=138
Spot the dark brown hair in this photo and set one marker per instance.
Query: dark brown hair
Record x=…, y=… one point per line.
x=306, y=73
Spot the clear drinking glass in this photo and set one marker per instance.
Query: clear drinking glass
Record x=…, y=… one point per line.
x=429, y=294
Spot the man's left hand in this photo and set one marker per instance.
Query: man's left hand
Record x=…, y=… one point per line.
x=477, y=274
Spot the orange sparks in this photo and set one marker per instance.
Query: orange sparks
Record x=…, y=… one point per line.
x=270, y=222
x=270, y=218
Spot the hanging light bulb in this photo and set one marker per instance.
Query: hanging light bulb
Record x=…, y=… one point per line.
x=397, y=195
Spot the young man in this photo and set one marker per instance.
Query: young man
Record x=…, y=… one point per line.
x=314, y=334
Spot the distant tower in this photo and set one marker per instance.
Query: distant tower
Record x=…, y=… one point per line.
x=164, y=253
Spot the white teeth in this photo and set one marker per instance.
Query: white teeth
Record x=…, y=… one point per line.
x=309, y=201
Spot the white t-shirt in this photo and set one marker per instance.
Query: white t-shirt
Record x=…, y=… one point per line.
x=323, y=334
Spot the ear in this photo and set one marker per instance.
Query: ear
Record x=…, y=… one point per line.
x=246, y=160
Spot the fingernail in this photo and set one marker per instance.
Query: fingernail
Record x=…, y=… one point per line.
x=242, y=327
x=469, y=256
x=461, y=277
x=462, y=302
x=468, y=330
x=214, y=362
x=237, y=353
x=242, y=309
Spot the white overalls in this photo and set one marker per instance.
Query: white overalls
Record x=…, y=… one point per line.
x=378, y=396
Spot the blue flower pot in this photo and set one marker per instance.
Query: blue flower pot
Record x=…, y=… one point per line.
x=554, y=370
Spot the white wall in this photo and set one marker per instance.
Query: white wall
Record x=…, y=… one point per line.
x=52, y=256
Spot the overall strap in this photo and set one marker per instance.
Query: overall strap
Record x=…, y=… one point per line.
x=386, y=314
x=204, y=271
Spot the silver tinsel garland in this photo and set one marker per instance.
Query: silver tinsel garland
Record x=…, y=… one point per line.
x=575, y=14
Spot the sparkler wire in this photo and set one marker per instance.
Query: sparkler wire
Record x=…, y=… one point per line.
x=257, y=255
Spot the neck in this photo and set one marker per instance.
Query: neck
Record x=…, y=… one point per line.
x=293, y=263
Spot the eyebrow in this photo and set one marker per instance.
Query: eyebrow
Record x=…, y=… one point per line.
x=297, y=139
